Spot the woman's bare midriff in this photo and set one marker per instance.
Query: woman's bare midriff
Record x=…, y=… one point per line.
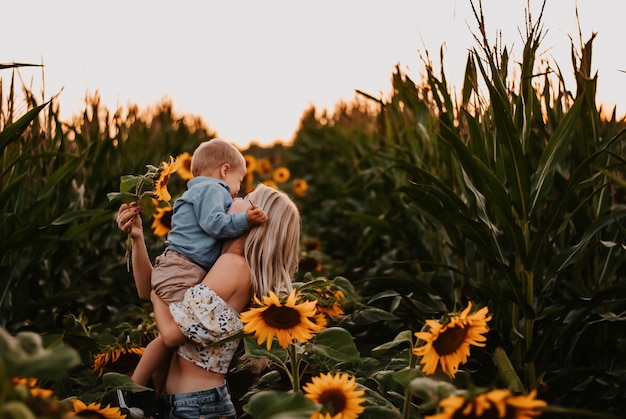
x=185, y=377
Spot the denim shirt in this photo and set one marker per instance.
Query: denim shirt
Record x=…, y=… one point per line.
x=200, y=221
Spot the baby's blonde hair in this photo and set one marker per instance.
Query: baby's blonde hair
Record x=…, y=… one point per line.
x=272, y=248
x=211, y=154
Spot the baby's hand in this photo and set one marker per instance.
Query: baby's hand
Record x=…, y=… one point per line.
x=256, y=216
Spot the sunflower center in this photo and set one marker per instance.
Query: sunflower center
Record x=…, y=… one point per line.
x=489, y=413
x=281, y=317
x=333, y=400
x=450, y=340
x=166, y=220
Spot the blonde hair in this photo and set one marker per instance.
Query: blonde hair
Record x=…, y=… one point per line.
x=211, y=154
x=272, y=248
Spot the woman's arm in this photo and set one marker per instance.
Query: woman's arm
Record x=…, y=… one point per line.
x=168, y=329
x=129, y=221
x=228, y=280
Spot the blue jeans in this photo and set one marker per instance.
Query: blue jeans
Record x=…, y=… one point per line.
x=214, y=403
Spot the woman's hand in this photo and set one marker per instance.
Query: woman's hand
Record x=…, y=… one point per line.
x=129, y=220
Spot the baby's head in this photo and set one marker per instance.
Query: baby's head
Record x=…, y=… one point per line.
x=219, y=159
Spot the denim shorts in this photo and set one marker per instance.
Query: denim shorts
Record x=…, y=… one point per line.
x=206, y=404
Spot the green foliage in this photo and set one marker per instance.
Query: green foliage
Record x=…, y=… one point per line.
x=512, y=198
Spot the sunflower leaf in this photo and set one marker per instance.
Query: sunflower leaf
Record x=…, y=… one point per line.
x=280, y=405
x=335, y=343
x=115, y=380
x=402, y=337
x=254, y=350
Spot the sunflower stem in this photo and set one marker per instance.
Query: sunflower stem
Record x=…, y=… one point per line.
x=295, y=375
x=407, y=393
x=129, y=245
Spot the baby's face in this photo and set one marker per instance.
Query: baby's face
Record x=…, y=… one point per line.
x=234, y=178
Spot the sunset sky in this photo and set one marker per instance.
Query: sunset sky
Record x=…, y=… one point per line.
x=250, y=69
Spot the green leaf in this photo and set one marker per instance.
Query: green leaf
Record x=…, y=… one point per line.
x=568, y=256
x=430, y=390
x=16, y=409
x=13, y=132
x=114, y=380
x=76, y=215
x=506, y=371
x=254, y=350
x=98, y=218
x=406, y=375
x=68, y=169
x=335, y=343
x=280, y=405
x=368, y=220
x=125, y=197
x=402, y=337
x=369, y=315
x=552, y=156
x=24, y=355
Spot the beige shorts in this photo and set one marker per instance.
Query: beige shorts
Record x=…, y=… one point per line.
x=173, y=274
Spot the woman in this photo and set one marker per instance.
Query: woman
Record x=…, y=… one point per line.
x=263, y=260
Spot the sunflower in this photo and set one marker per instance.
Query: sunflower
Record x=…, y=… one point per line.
x=160, y=189
x=271, y=184
x=184, y=170
x=320, y=320
x=500, y=404
x=281, y=175
x=312, y=244
x=33, y=390
x=288, y=321
x=300, y=186
x=162, y=223
x=309, y=264
x=332, y=308
x=250, y=163
x=116, y=355
x=264, y=166
x=448, y=344
x=247, y=185
x=96, y=410
x=337, y=394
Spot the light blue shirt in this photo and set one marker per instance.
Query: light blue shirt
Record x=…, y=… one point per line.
x=200, y=221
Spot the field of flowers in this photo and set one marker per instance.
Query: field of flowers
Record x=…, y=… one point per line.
x=461, y=257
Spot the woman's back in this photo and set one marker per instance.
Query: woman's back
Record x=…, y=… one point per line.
x=230, y=279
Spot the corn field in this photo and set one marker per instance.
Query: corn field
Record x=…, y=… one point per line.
x=510, y=195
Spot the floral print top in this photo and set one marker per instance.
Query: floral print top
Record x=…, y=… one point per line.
x=205, y=318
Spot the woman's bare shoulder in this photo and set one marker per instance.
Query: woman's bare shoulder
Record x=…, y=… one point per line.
x=229, y=274
x=233, y=260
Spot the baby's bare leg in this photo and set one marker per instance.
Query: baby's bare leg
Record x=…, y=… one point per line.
x=153, y=363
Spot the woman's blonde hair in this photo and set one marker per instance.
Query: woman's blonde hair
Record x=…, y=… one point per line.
x=272, y=248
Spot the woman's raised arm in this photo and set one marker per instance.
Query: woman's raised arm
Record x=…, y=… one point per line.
x=129, y=221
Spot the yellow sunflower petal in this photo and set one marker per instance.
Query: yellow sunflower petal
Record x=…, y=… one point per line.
x=162, y=223
x=286, y=321
x=184, y=167
x=448, y=345
x=337, y=394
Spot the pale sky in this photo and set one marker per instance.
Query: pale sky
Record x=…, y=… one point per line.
x=250, y=68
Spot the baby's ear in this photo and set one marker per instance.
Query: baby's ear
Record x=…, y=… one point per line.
x=224, y=170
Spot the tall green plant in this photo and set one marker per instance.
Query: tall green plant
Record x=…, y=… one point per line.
x=528, y=209
x=513, y=199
